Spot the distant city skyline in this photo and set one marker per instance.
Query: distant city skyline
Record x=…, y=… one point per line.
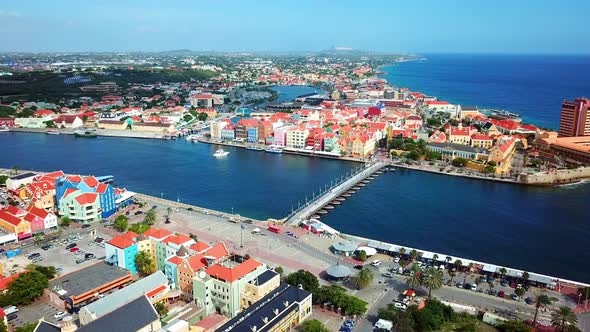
x=421, y=26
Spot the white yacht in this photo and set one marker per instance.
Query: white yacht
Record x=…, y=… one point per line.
x=220, y=153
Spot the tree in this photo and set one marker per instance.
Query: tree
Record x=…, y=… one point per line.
x=48, y=271
x=514, y=326
x=414, y=280
x=362, y=256
x=202, y=116
x=564, y=319
x=16, y=169
x=194, y=237
x=435, y=257
x=3, y=179
x=161, y=308
x=50, y=124
x=144, y=263
x=279, y=270
x=402, y=251
x=458, y=264
x=121, y=223
x=478, y=281
x=448, y=259
x=433, y=279
x=26, y=328
x=28, y=287
x=66, y=221
x=520, y=292
x=413, y=155
x=459, y=162
x=304, y=278
x=489, y=169
x=525, y=277
x=364, y=278
x=452, y=274
x=150, y=217
x=3, y=327
x=503, y=272
x=168, y=213
x=313, y=325
x=414, y=254
x=541, y=300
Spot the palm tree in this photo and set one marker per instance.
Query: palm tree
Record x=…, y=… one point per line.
x=402, y=251
x=491, y=285
x=435, y=257
x=403, y=263
x=433, y=279
x=564, y=319
x=414, y=280
x=452, y=275
x=458, y=264
x=470, y=267
x=478, y=281
x=525, y=277
x=448, y=259
x=503, y=272
x=144, y=263
x=414, y=254
x=541, y=300
x=150, y=217
x=364, y=278
x=16, y=169
x=168, y=213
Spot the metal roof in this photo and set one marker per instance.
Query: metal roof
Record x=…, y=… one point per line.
x=132, y=316
x=345, y=245
x=338, y=271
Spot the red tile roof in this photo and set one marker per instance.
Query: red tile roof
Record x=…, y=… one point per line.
x=156, y=290
x=175, y=260
x=102, y=188
x=200, y=246
x=86, y=198
x=9, y=218
x=38, y=212
x=235, y=273
x=157, y=233
x=219, y=250
x=197, y=262
x=6, y=280
x=480, y=137
x=69, y=191
x=120, y=242
x=15, y=211
x=74, y=178
x=91, y=181
x=177, y=239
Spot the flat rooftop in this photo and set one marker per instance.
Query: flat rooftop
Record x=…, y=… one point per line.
x=23, y=176
x=88, y=278
x=577, y=143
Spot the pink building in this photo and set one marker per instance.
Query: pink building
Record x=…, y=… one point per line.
x=280, y=135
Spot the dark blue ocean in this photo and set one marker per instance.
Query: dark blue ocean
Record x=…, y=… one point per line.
x=531, y=85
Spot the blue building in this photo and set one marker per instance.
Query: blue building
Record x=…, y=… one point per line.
x=252, y=135
x=106, y=194
x=121, y=251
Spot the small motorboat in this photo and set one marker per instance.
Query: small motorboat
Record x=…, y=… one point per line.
x=328, y=207
x=4, y=129
x=220, y=153
x=52, y=132
x=274, y=149
x=254, y=148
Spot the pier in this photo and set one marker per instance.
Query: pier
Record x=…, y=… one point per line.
x=305, y=211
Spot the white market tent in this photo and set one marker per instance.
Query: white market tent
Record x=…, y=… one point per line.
x=369, y=251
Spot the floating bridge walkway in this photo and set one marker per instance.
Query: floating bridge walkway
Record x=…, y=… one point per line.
x=308, y=209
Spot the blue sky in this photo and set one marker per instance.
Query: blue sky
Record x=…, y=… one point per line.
x=410, y=26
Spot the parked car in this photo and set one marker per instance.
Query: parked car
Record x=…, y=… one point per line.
x=89, y=255
x=388, y=275
x=80, y=260
x=504, y=283
x=59, y=315
x=138, y=213
x=154, y=207
x=71, y=245
x=86, y=225
x=75, y=249
x=396, y=260
x=492, y=292
x=501, y=294
x=399, y=305
x=34, y=255
x=46, y=246
x=459, y=285
x=376, y=263
x=514, y=297
x=474, y=287
x=11, y=317
x=528, y=300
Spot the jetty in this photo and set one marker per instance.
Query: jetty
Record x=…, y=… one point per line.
x=318, y=204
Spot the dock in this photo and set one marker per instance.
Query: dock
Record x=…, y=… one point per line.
x=310, y=208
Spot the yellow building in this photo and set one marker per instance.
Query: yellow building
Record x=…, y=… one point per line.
x=481, y=140
x=259, y=287
x=15, y=224
x=155, y=127
x=112, y=124
x=502, y=151
x=362, y=146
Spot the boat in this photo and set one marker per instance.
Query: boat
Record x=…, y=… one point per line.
x=340, y=199
x=356, y=188
x=254, y=148
x=274, y=149
x=503, y=113
x=365, y=181
x=52, y=132
x=85, y=133
x=322, y=212
x=190, y=137
x=315, y=216
x=328, y=207
x=361, y=184
x=335, y=203
x=4, y=129
x=220, y=153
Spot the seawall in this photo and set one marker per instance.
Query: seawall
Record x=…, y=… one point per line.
x=555, y=177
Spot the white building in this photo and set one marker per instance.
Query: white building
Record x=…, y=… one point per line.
x=15, y=182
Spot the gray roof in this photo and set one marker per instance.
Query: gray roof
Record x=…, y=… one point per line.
x=129, y=317
x=265, y=308
x=454, y=146
x=88, y=278
x=264, y=277
x=338, y=271
x=469, y=108
x=127, y=294
x=44, y=326
x=22, y=176
x=182, y=252
x=345, y=245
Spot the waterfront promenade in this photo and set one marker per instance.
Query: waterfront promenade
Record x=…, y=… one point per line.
x=313, y=206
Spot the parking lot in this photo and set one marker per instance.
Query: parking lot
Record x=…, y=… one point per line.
x=65, y=260
x=35, y=311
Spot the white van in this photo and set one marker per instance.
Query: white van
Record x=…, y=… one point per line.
x=10, y=310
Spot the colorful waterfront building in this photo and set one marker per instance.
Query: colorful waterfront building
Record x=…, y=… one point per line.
x=297, y=137
x=252, y=135
x=158, y=236
x=15, y=224
x=121, y=251
x=228, y=133
x=80, y=206
x=191, y=267
x=49, y=218
x=106, y=195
